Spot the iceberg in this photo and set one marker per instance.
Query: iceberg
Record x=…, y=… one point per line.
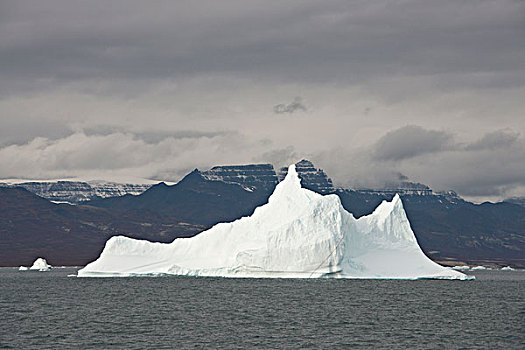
x=461, y=268
x=478, y=268
x=23, y=268
x=297, y=234
x=507, y=268
x=40, y=264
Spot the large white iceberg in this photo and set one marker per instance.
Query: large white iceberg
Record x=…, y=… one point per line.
x=297, y=234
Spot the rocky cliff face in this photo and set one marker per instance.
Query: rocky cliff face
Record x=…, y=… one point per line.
x=407, y=188
x=311, y=178
x=76, y=192
x=250, y=177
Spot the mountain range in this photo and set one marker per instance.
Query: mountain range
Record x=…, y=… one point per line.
x=449, y=229
x=77, y=192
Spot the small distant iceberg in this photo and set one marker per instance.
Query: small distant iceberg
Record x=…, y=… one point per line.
x=40, y=264
x=479, y=268
x=297, y=234
x=461, y=268
x=507, y=268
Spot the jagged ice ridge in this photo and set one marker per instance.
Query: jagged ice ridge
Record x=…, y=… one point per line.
x=297, y=234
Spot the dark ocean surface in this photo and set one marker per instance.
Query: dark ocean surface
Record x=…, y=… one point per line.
x=48, y=310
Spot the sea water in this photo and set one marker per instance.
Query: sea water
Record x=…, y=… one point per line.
x=48, y=310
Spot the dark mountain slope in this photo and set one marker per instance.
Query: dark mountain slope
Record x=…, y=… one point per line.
x=194, y=199
x=31, y=226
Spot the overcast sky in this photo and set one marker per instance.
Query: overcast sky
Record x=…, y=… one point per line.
x=368, y=90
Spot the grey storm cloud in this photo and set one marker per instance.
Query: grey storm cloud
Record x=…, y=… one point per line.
x=279, y=157
x=492, y=167
x=153, y=136
x=18, y=131
x=294, y=106
x=489, y=171
x=158, y=136
x=498, y=139
x=410, y=141
x=60, y=41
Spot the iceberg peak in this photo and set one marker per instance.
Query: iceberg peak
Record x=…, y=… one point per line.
x=290, y=185
x=298, y=234
x=292, y=176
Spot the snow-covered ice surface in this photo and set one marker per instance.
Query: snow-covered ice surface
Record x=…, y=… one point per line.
x=297, y=234
x=40, y=264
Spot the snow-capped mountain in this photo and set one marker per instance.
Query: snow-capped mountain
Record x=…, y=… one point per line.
x=409, y=189
x=76, y=192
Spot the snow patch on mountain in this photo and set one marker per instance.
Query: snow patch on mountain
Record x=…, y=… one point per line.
x=75, y=192
x=297, y=234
